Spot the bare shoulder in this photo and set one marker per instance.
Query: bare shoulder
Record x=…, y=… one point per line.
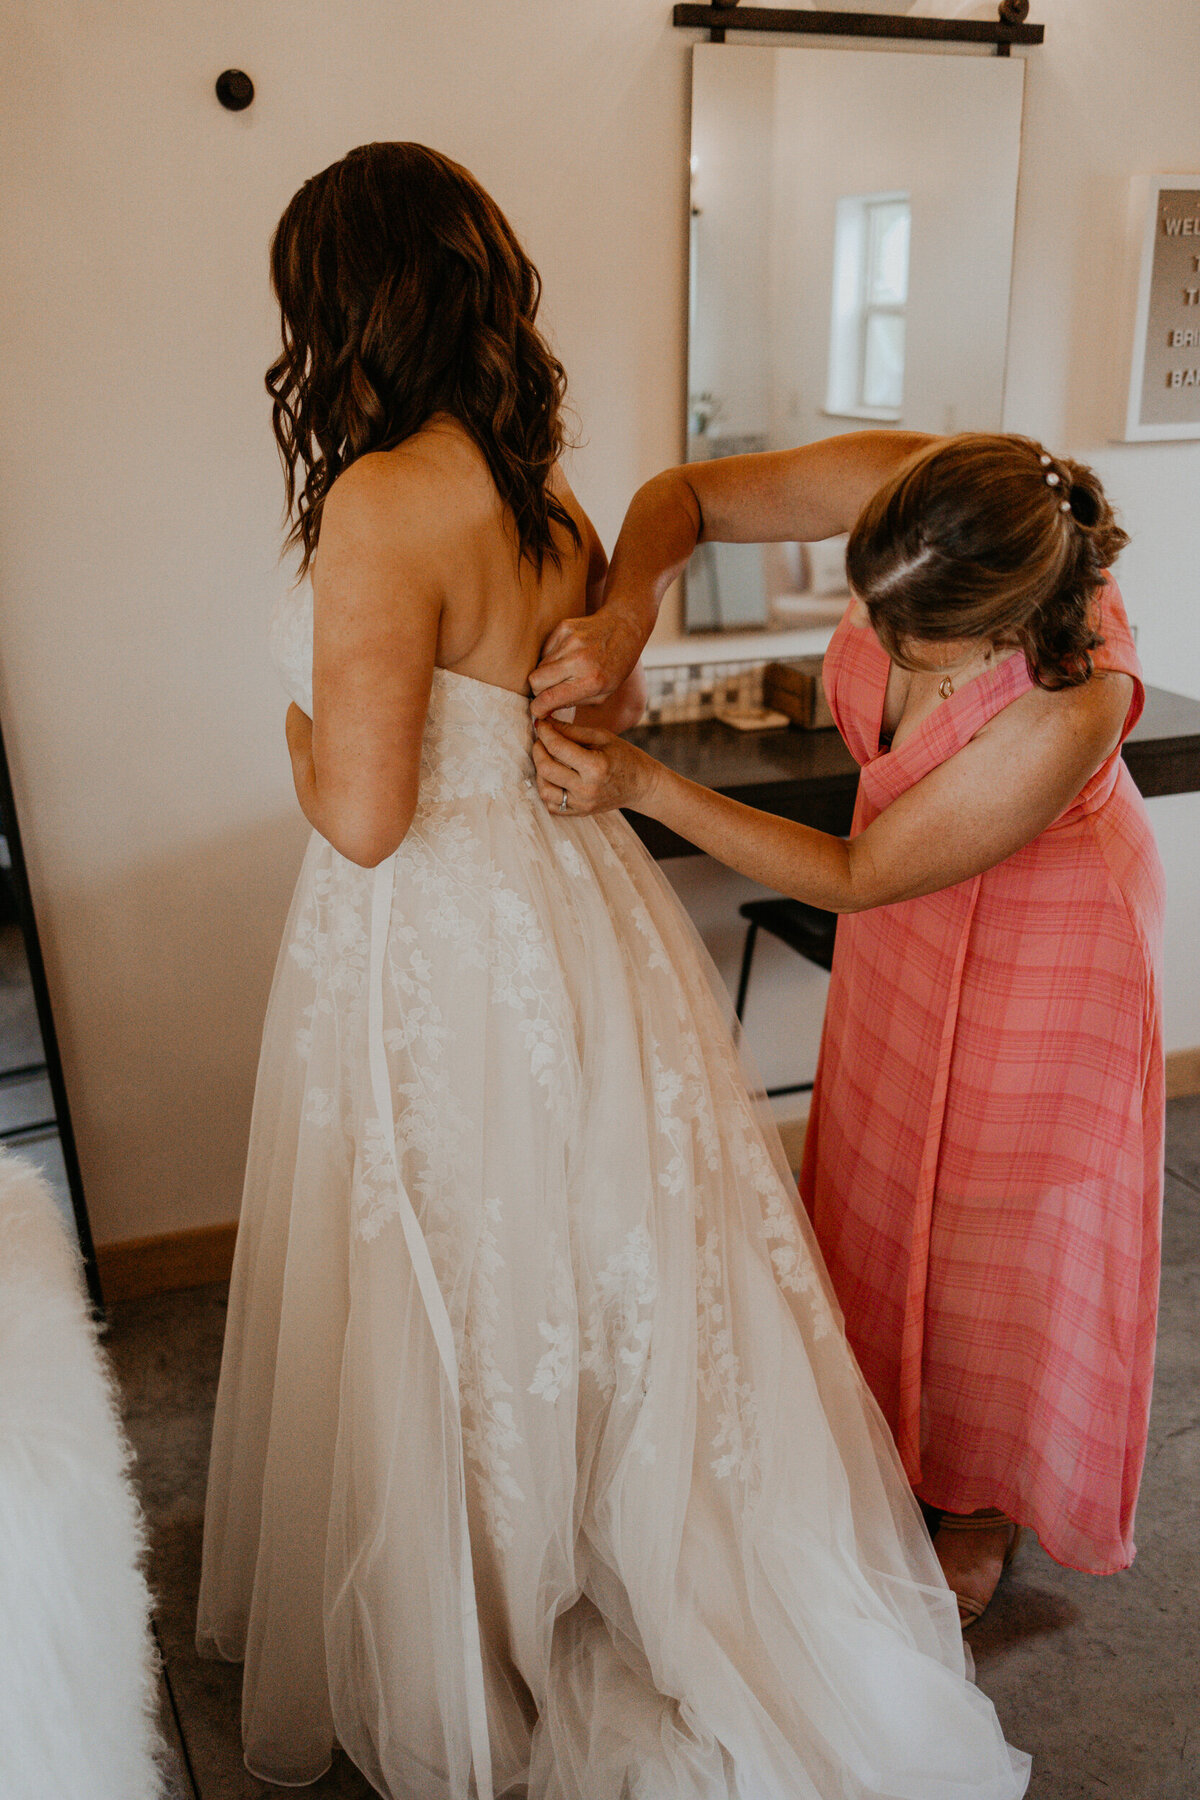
x=377, y=540
x=1086, y=720
x=405, y=498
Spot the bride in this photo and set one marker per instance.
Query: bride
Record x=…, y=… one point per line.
x=540, y=1463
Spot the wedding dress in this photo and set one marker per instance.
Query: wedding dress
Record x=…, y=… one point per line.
x=540, y=1463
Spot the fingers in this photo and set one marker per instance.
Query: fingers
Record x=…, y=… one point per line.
x=552, y=797
x=550, y=672
x=565, y=729
x=559, y=774
x=584, y=659
x=596, y=770
x=569, y=689
x=566, y=654
x=567, y=764
x=577, y=754
x=547, y=767
x=554, y=779
x=562, y=751
x=559, y=639
x=571, y=670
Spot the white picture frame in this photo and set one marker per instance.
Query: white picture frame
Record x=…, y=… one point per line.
x=1161, y=394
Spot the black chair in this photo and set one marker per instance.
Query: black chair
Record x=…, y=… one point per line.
x=808, y=930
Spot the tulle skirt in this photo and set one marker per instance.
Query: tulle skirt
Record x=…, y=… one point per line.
x=699, y=1571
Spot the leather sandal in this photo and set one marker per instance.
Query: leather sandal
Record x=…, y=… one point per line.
x=970, y=1610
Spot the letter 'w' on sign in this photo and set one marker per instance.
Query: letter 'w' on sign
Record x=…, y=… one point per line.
x=1161, y=395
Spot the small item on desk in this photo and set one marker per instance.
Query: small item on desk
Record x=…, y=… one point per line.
x=794, y=688
x=751, y=718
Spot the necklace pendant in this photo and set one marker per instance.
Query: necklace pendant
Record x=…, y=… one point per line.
x=945, y=687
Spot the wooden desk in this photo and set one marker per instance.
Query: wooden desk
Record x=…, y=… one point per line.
x=812, y=777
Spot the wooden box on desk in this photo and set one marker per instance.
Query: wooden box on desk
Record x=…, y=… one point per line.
x=795, y=688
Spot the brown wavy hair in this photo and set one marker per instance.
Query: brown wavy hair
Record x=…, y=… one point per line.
x=404, y=294
x=988, y=537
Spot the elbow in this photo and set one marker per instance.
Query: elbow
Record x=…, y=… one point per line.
x=366, y=856
x=855, y=887
x=675, y=490
x=831, y=899
x=869, y=883
x=367, y=842
x=853, y=892
x=368, y=850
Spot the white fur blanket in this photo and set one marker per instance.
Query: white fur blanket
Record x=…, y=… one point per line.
x=77, y=1669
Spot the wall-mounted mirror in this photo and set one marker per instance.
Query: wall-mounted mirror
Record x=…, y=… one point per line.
x=851, y=252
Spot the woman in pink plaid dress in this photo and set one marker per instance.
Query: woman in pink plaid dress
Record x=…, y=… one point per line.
x=984, y=1157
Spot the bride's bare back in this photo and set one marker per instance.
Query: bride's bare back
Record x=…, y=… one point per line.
x=440, y=509
x=498, y=609
x=418, y=567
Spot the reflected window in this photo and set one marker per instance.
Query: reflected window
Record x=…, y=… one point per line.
x=870, y=295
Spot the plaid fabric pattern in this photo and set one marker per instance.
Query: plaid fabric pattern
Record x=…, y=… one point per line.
x=984, y=1157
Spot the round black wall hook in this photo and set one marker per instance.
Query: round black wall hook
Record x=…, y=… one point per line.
x=235, y=89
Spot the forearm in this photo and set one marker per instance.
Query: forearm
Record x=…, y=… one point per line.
x=813, y=492
x=304, y=780
x=308, y=795
x=793, y=859
x=362, y=834
x=360, y=838
x=590, y=658
x=992, y=798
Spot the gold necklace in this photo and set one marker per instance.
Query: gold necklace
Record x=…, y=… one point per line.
x=946, y=684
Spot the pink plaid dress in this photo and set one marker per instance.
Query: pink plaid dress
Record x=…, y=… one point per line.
x=984, y=1156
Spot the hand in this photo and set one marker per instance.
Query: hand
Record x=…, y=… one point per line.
x=585, y=659
x=595, y=770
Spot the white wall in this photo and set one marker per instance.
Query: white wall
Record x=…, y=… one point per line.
x=139, y=495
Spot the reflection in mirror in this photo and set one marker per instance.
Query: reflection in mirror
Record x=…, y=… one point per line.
x=850, y=258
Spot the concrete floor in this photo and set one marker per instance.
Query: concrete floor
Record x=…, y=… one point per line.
x=1097, y=1677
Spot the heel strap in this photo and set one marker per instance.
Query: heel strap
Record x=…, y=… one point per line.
x=991, y=1519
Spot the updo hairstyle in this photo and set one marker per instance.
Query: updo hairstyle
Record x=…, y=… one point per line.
x=988, y=537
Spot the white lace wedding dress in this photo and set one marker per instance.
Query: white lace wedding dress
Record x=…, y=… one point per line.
x=540, y=1463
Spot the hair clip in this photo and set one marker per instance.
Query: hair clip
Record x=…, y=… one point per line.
x=1064, y=506
x=1052, y=479
x=1045, y=460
